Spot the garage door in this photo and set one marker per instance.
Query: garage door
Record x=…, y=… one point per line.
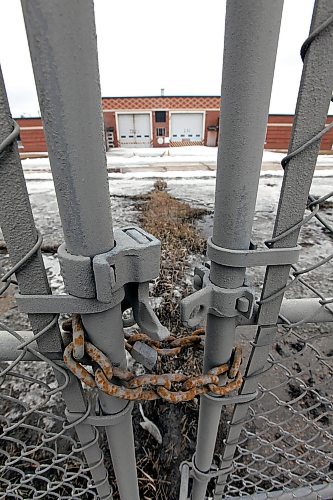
x=186, y=128
x=134, y=130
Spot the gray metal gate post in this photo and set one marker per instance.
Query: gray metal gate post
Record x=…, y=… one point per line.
x=251, y=38
x=62, y=41
x=310, y=117
x=18, y=227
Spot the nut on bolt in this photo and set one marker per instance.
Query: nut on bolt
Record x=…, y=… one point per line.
x=197, y=282
x=243, y=304
x=199, y=275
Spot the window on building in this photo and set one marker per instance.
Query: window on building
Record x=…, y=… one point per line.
x=160, y=132
x=160, y=116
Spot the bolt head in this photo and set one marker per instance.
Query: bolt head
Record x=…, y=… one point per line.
x=243, y=304
x=197, y=282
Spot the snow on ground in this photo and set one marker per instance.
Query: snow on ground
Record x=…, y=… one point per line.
x=196, y=157
x=197, y=187
x=196, y=190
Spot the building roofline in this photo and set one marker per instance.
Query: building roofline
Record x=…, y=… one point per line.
x=27, y=118
x=288, y=114
x=157, y=96
x=39, y=117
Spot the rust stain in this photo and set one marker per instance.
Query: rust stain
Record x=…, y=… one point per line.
x=236, y=362
x=226, y=389
x=186, y=341
x=169, y=352
x=100, y=358
x=149, y=396
x=199, y=331
x=177, y=396
x=78, y=370
x=149, y=387
x=78, y=337
x=200, y=380
x=115, y=390
x=219, y=370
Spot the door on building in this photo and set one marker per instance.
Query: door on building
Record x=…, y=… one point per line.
x=186, y=128
x=134, y=130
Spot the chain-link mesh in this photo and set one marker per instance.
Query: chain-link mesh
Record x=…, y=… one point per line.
x=39, y=453
x=287, y=438
x=285, y=441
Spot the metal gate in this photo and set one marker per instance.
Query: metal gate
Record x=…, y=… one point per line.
x=277, y=406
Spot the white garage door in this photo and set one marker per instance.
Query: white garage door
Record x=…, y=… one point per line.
x=134, y=130
x=186, y=127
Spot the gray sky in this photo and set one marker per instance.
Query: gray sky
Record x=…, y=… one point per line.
x=145, y=45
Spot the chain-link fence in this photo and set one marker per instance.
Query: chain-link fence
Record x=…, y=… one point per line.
x=278, y=440
x=286, y=440
x=40, y=456
x=284, y=443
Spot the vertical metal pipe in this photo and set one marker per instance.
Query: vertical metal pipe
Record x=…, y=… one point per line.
x=18, y=227
x=62, y=41
x=251, y=38
x=310, y=117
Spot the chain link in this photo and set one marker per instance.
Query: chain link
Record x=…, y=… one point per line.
x=149, y=386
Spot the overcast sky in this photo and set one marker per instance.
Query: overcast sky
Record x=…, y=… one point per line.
x=145, y=45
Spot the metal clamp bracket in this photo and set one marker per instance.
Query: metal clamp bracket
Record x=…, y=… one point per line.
x=101, y=420
x=65, y=304
x=232, y=400
x=121, y=275
x=135, y=258
x=189, y=470
x=252, y=257
x=221, y=302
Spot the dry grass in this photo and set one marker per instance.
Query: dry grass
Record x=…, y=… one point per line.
x=173, y=222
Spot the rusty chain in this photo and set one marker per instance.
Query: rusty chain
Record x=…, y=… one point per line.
x=149, y=386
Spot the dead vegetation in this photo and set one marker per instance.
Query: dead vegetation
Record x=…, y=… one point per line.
x=173, y=222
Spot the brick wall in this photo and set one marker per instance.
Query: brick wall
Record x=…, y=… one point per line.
x=32, y=135
x=160, y=125
x=277, y=135
x=279, y=131
x=110, y=122
x=160, y=102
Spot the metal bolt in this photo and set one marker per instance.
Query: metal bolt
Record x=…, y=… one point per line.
x=197, y=282
x=243, y=304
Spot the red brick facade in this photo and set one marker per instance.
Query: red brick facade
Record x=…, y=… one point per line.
x=161, y=102
x=163, y=125
x=279, y=131
x=31, y=135
x=277, y=136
